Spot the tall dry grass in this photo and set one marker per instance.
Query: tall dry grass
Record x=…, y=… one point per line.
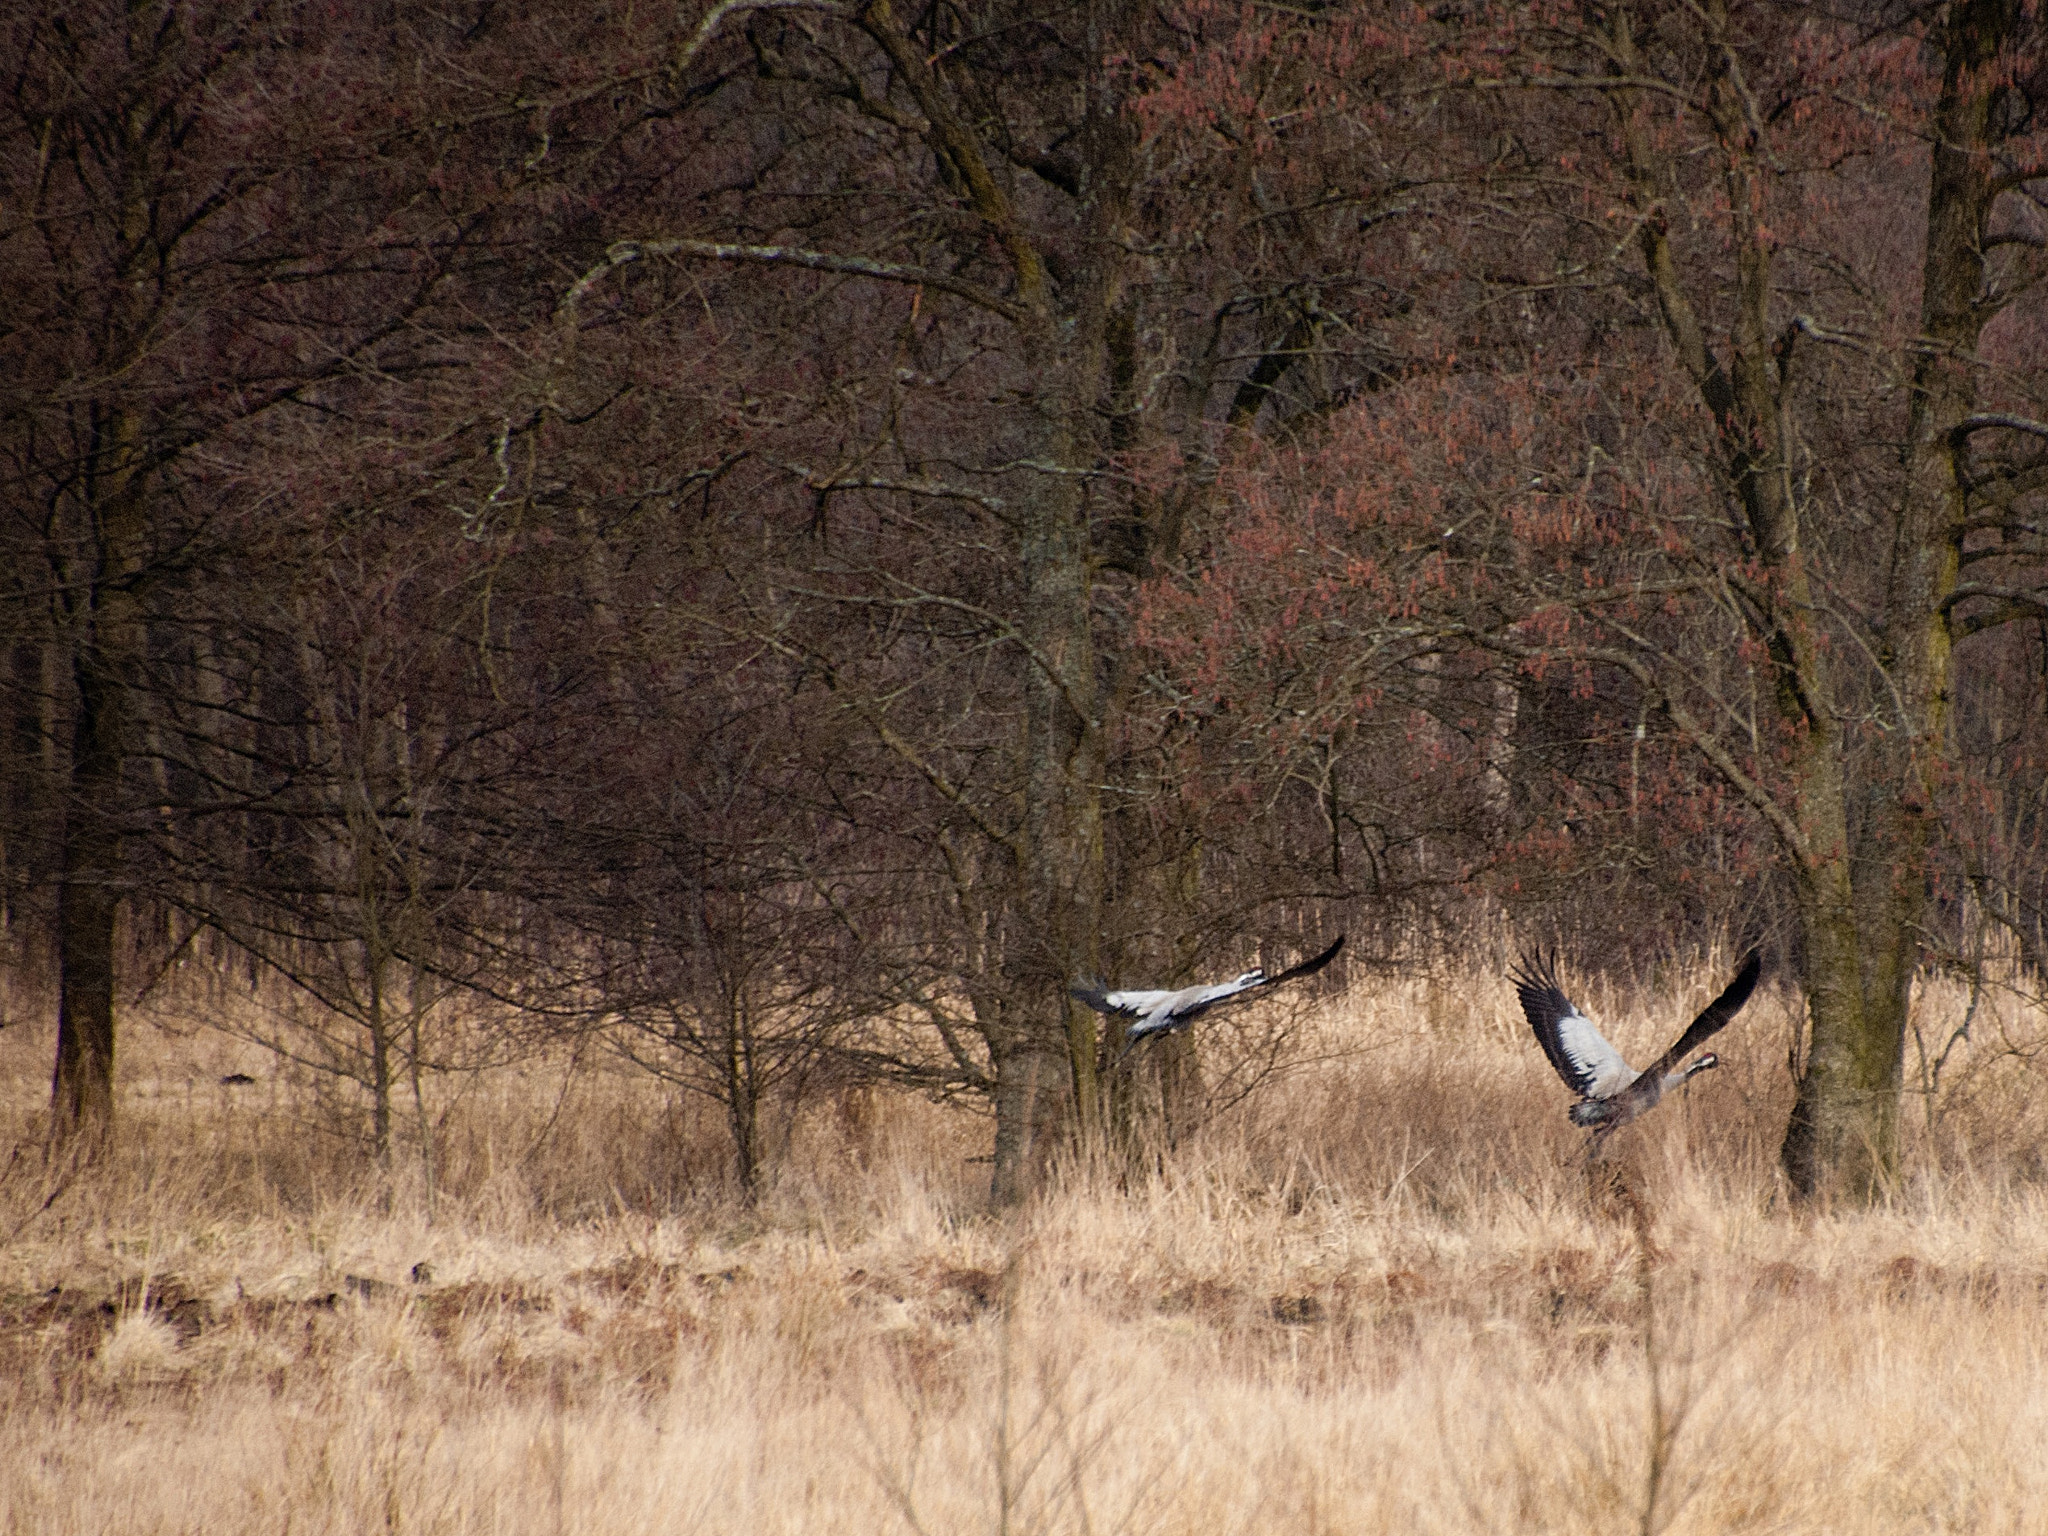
x=1380, y=1296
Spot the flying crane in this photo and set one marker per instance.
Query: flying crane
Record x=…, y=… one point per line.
x=1611, y=1092
x=1167, y=1012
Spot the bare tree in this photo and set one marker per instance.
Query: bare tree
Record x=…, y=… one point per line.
x=989, y=347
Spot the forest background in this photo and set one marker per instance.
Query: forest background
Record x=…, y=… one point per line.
x=766, y=541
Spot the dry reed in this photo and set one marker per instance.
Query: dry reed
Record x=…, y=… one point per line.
x=1381, y=1296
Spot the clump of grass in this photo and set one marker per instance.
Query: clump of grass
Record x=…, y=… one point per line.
x=140, y=1347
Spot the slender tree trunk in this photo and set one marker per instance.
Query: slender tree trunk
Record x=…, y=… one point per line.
x=415, y=1015
x=107, y=643
x=743, y=1116
x=82, y=1093
x=106, y=654
x=742, y=1103
x=1496, y=788
x=375, y=929
x=377, y=963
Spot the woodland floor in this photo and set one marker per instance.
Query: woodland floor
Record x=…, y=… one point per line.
x=1380, y=1296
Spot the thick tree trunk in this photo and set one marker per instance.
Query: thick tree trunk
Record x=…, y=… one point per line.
x=1026, y=1082
x=1064, y=771
x=1064, y=350
x=1061, y=873
x=1842, y=1140
x=1050, y=933
x=1862, y=951
x=1861, y=908
x=1065, y=752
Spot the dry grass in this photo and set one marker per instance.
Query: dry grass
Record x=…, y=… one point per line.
x=1380, y=1298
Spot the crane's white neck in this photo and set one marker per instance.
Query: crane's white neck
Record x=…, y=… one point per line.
x=1706, y=1063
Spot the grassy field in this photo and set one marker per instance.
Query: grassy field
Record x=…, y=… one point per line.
x=1381, y=1296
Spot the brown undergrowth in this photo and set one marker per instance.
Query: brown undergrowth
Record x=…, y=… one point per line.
x=1382, y=1296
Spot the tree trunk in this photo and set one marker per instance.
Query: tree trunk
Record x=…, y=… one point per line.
x=743, y=1116
x=1861, y=906
x=377, y=962
x=1062, y=349
x=1025, y=1075
x=742, y=1100
x=107, y=647
x=414, y=1015
x=1862, y=953
x=1843, y=1136
x=1064, y=768
x=82, y=1092
x=106, y=652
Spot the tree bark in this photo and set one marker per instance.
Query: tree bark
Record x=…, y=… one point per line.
x=376, y=960
x=1025, y=1074
x=1064, y=764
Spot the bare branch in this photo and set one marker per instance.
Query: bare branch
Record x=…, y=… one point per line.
x=625, y=252
x=937, y=489
x=912, y=596
x=719, y=13
x=936, y=777
x=1978, y=423
x=2037, y=597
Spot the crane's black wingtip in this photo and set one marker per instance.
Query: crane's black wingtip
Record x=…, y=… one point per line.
x=1307, y=967
x=1311, y=966
x=1746, y=978
x=1535, y=973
